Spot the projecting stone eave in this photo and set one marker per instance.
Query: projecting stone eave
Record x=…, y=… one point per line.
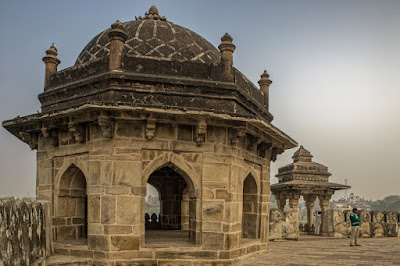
x=34, y=124
x=302, y=184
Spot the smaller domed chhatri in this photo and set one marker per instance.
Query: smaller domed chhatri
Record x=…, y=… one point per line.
x=151, y=103
x=305, y=178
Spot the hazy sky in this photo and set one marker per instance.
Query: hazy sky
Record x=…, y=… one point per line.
x=334, y=64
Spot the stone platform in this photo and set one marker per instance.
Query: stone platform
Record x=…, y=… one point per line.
x=311, y=250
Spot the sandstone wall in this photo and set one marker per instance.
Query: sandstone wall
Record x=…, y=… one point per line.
x=24, y=234
x=373, y=223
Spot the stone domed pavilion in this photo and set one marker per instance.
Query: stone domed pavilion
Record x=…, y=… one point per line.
x=151, y=102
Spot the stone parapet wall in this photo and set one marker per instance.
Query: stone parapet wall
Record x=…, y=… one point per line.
x=373, y=223
x=283, y=225
x=24, y=234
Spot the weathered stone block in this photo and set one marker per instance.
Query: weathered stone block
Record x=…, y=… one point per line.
x=127, y=173
x=212, y=241
x=125, y=242
x=94, y=209
x=213, y=211
x=117, y=229
x=128, y=209
x=98, y=242
x=232, y=240
x=108, y=204
x=94, y=173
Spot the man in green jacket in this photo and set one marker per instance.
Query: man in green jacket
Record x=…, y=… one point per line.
x=355, y=227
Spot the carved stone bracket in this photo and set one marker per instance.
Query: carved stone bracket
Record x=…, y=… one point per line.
x=107, y=126
x=238, y=133
x=252, y=142
x=77, y=131
x=201, y=131
x=262, y=149
x=150, y=128
x=45, y=132
x=274, y=153
x=50, y=133
x=54, y=137
x=31, y=139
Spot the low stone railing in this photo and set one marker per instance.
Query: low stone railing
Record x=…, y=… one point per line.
x=373, y=223
x=24, y=232
x=283, y=225
x=152, y=222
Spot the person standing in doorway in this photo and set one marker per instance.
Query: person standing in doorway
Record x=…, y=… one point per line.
x=317, y=223
x=355, y=228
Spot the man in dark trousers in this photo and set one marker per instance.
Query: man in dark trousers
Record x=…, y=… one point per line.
x=355, y=228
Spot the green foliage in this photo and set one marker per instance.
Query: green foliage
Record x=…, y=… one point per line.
x=390, y=203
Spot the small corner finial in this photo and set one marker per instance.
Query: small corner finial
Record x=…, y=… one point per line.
x=53, y=46
x=117, y=25
x=226, y=38
x=153, y=10
x=265, y=75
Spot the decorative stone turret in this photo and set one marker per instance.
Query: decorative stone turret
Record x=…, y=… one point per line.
x=265, y=82
x=302, y=155
x=51, y=62
x=117, y=37
x=227, y=48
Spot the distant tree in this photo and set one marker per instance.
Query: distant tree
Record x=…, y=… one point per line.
x=390, y=203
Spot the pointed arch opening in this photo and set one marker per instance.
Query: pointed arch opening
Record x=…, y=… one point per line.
x=177, y=218
x=250, y=216
x=71, y=207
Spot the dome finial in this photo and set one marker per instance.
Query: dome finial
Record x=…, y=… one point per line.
x=153, y=10
x=153, y=14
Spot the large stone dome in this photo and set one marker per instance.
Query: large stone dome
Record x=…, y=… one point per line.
x=154, y=36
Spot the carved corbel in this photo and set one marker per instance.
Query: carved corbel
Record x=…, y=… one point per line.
x=274, y=153
x=238, y=133
x=262, y=149
x=107, y=126
x=54, y=137
x=45, y=132
x=252, y=142
x=50, y=133
x=30, y=139
x=150, y=128
x=76, y=131
x=201, y=131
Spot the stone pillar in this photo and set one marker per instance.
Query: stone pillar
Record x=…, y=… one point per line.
x=309, y=199
x=227, y=48
x=264, y=83
x=265, y=202
x=324, y=202
x=280, y=201
x=117, y=37
x=52, y=63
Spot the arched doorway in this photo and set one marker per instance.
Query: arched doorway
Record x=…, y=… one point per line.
x=177, y=209
x=250, y=218
x=71, y=210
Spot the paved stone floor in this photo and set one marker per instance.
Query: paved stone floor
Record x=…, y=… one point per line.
x=311, y=250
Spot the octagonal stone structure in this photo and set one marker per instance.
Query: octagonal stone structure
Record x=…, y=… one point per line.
x=150, y=102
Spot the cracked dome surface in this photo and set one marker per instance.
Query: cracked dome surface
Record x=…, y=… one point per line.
x=154, y=38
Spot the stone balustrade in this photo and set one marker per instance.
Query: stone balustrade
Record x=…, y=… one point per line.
x=283, y=225
x=152, y=222
x=373, y=223
x=24, y=232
